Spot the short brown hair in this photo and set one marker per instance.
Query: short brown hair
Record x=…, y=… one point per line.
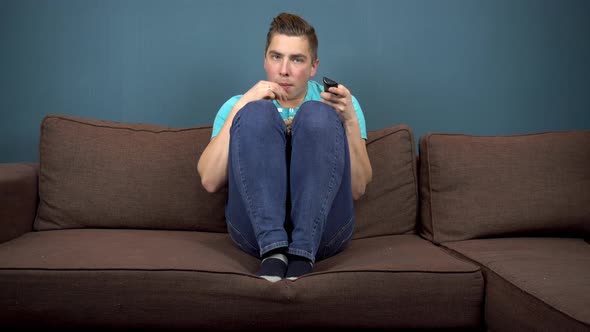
x=293, y=25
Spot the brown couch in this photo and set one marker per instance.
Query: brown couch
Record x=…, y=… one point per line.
x=113, y=229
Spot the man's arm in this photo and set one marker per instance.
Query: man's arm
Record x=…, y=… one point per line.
x=212, y=165
x=360, y=166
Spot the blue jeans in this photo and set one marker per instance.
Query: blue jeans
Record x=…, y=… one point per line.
x=289, y=190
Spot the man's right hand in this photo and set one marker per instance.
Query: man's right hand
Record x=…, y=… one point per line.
x=263, y=90
x=212, y=165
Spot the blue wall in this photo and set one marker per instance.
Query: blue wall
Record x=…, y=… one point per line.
x=479, y=67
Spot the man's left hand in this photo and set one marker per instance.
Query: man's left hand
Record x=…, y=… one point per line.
x=340, y=99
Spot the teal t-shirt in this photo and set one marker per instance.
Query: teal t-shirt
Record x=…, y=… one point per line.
x=313, y=93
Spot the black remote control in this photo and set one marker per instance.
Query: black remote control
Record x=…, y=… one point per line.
x=329, y=83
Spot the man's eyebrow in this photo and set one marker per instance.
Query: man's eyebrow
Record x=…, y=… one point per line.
x=297, y=55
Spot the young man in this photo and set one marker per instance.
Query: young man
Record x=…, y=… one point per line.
x=293, y=157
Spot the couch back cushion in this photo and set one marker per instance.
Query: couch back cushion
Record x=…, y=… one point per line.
x=490, y=186
x=390, y=203
x=103, y=174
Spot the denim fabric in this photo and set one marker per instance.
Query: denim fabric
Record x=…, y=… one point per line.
x=289, y=190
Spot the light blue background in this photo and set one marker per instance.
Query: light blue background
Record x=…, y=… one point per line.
x=477, y=67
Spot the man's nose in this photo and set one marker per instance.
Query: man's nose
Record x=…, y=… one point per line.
x=285, y=67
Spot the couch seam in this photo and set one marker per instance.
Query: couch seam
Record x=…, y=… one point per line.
x=173, y=130
x=239, y=273
x=387, y=135
x=121, y=270
x=41, y=171
x=430, y=204
x=416, y=181
x=516, y=135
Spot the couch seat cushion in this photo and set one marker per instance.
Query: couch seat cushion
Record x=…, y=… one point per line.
x=178, y=279
x=533, y=284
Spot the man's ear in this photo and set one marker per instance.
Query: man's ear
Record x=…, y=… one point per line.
x=314, y=67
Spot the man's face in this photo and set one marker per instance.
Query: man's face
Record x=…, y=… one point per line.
x=289, y=63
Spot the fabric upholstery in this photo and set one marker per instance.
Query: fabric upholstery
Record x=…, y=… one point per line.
x=180, y=279
x=125, y=237
x=485, y=186
x=390, y=203
x=533, y=284
x=18, y=199
x=104, y=174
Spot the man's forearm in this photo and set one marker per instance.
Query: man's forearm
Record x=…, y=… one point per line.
x=212, y=165
x=360, y=166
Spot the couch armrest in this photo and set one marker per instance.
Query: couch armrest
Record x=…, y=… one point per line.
x=18, y=199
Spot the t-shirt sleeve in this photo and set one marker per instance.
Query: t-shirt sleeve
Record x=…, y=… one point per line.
x=222, y=114
x=360, y=116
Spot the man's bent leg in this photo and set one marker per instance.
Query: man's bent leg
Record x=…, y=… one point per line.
x=257, y=179
x=340, y=222
x=320, y=177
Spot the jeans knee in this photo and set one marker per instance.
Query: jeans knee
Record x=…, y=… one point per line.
x=315, y=116
x=257, y=115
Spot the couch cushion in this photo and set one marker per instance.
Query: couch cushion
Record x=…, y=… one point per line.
x=182, y=279
x=533, y=284
x=18, y=199
x=390, y=203
x=485, y=186
x=106, y=174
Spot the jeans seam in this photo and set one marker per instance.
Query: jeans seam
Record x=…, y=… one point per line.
x=301, y=252
x=241, y=172
x=331, y=185
x=249, y=208
x=246, y=193
x=333, y=240
x=236, y=231
x=272, y=246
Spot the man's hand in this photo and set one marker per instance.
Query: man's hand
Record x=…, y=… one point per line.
x=264, y=90
x=212, y=165
x=340, y=99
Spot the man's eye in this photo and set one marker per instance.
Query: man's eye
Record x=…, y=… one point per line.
x=298, y=60
x=275, y=57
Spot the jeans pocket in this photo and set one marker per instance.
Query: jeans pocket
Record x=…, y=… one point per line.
x=339, y=241
x=241, y=241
